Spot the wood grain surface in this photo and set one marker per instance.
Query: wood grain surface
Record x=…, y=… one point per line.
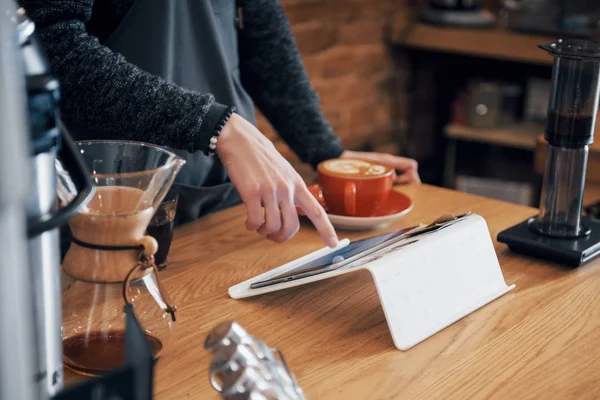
x=540, y=341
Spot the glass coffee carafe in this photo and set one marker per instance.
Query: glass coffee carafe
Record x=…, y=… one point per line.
x=110, y=262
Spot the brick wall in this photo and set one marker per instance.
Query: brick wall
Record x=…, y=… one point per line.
x=345, y=51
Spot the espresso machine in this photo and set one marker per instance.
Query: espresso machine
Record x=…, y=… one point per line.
x=16, y=324
x=51, y=149
x=33, y=149
x=560, y=233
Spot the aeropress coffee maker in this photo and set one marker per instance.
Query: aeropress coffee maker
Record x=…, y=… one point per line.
x=560, y=233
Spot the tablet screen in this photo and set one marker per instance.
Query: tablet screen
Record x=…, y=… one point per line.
x=360, y=252
x=353, y=249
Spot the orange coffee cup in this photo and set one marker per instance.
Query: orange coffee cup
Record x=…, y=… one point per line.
x=355, y=188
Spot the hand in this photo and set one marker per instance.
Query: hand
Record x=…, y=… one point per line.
x=266, y=180
x=406, y=168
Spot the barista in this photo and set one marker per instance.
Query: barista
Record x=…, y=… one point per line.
x=187, y=75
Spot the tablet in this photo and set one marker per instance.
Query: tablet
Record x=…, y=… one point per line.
x=337, y=259
x=356, y=252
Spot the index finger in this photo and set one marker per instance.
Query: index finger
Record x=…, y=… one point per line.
x=408, y=176
x=315, y=212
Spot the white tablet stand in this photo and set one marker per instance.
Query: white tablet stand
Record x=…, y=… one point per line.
x=423, y=287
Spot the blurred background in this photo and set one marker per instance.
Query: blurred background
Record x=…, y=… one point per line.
x=459, y=85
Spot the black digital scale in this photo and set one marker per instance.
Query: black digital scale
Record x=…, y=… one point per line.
x=560, y=233
x=523, y=239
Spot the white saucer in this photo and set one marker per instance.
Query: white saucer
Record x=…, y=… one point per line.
x=398, y=204
x=364, y=223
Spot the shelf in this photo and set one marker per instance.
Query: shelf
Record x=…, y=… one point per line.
x=488, y=43
x=522, y=136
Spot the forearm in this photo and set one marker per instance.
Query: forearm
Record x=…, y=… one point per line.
x=102, y=92
x=273, y=74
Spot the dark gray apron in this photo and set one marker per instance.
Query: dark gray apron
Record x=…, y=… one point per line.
x=194, y=44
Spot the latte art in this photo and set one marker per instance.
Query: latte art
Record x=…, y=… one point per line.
x=376, y=170
x=346, y=166
x=358, y=168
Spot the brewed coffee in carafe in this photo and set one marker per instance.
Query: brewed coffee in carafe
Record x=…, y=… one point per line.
x=111, y=258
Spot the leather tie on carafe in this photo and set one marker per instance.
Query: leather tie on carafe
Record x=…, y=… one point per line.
x=147, y=261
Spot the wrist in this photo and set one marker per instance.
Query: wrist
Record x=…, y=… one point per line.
x=229, y=137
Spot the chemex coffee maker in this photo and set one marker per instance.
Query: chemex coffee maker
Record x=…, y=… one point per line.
x=560, y=233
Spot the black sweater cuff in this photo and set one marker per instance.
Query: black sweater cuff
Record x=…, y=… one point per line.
x=208, y=126
x=329, y=151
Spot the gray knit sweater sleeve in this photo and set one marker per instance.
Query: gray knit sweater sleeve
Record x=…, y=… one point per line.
x=273, y=74
x=103, y=92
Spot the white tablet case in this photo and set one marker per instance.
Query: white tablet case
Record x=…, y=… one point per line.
x=423, y=287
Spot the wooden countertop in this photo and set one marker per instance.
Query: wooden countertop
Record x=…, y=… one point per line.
x=539, y=341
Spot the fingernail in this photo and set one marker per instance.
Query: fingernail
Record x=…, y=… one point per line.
x=333, y=241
